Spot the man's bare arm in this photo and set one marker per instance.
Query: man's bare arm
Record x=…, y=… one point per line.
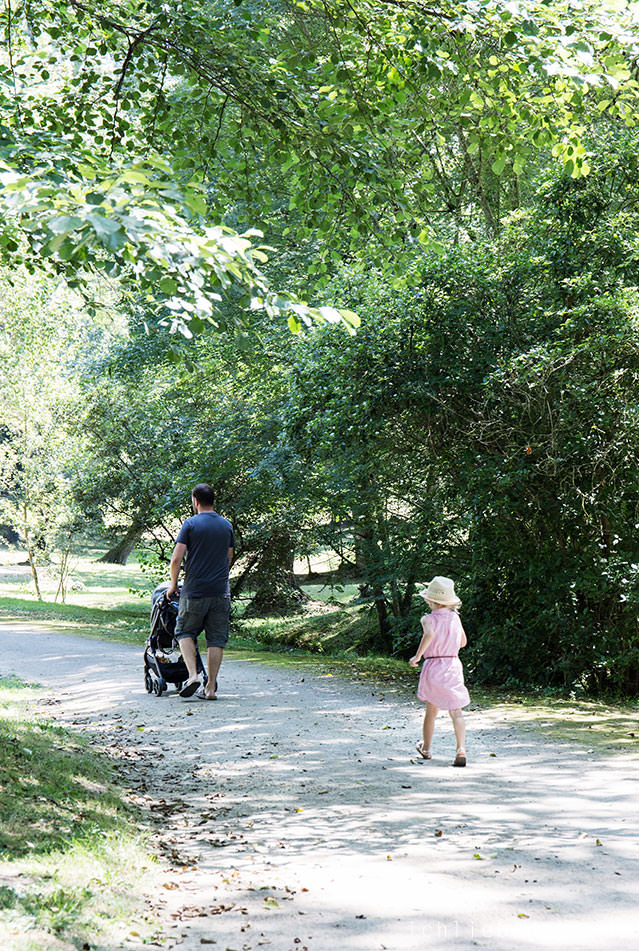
x=176, y=563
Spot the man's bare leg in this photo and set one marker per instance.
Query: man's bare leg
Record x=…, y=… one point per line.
x=214, y=661
x=189, y=654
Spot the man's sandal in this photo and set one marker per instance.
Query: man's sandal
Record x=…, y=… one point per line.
x=460, y=759
x=422, y=752
x=190, y=688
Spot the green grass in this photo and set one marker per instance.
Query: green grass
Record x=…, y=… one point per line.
x=600, y=726
x=327, y=630
x=103, y=604
x=74, y=858
x=92, y=582
x=126, y=625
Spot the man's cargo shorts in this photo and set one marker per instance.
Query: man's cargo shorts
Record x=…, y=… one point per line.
x=210, y=615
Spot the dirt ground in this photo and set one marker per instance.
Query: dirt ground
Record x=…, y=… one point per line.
x=295, y=816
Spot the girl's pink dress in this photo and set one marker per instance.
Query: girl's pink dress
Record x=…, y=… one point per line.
x=441, y=681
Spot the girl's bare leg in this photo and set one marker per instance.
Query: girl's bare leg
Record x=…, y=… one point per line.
x=460, y=729
x=429, y=725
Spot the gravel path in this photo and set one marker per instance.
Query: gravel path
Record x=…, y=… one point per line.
x=295, y=817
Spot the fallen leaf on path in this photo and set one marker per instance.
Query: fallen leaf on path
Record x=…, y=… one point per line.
x=476, y=855
x=439, y=833
x=598, y=842
x=523, y=915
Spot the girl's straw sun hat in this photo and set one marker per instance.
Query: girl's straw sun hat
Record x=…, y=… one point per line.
x=442, y=591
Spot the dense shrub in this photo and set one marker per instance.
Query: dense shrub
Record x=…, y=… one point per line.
x=485, y=425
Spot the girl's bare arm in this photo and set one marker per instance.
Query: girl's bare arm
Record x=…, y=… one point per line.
x=464, y=639
x=427, y=637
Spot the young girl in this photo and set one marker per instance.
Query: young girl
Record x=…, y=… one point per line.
x=441, y=682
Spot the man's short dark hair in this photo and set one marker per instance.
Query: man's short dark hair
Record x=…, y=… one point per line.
x=204, y=494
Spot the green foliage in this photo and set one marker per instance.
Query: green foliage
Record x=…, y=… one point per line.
x=463, y=177
x=554, y=506
x=360, y=126
x=41, y=336
x=84, y=189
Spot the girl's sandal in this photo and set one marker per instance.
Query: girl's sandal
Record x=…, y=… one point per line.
x=422, y=752
x=460, y=759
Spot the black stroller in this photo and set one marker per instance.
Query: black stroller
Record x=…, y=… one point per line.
x=163, y=662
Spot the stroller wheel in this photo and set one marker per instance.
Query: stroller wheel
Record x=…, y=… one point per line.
x=148, y=682
x=157, y=690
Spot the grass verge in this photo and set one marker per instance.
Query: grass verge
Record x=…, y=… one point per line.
x=74, y=858
x=124, y=624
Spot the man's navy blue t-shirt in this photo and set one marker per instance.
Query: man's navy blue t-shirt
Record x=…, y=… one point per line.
x=208, y=537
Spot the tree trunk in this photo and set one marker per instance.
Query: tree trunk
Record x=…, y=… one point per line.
x=119, y=554
x=276, y=590
x=384, y=640
x=30, y=551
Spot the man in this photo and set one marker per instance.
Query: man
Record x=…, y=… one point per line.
x=207, y=541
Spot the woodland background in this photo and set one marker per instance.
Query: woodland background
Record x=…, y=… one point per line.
x=369, y=267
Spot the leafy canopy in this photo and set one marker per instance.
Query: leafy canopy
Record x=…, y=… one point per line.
x=131, y=133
